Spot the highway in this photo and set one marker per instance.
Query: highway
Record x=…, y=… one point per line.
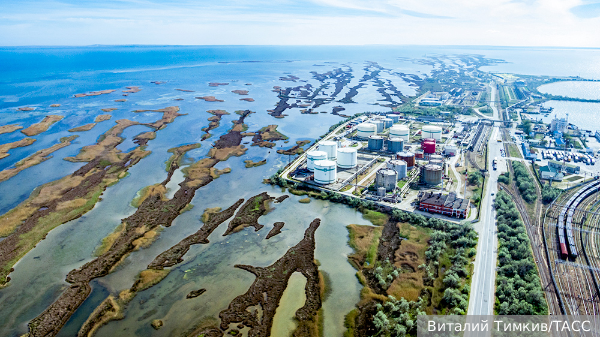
x=481, y=300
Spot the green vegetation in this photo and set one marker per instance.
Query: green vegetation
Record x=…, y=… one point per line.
x=549, y=194
x=376, y=218
x=524, y=181
x=397, y=317
x=504, y=178
x=513, y=151
x=475, y=178
x=401, y=184
x=518, y=287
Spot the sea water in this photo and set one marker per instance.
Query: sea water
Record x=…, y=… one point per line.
x=38, y=77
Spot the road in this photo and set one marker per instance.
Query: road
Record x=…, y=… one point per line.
x=483, y=283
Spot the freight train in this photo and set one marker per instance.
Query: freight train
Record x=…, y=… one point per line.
x=566, y=241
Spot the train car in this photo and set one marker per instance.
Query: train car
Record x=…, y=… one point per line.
x=564, y=254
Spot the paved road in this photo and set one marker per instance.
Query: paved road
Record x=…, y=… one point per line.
x=483, y=284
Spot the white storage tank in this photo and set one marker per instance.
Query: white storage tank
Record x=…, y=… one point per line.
x=347, y=157
x=399, y=166
x=329, y=147
x=386, y=178
x=400, y=131
x=325, y=172
x=432, y=131
x=365, y=130
x=387, y=122
x=312, y=157
x=379, y=124
x=394, y=118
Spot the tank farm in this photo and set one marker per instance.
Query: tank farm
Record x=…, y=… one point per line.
x=571, y=233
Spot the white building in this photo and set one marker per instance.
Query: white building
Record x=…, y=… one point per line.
x=558, y=125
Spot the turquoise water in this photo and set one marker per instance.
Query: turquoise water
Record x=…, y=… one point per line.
x=38, y=77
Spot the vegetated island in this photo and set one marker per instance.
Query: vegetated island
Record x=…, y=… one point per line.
x=214, y=120
x=35, y=159
x=86, y=127
x=68, y=198
x=216, y=84
x=4, y=148
x=113, y=306
x=210, y=99
x=132, y=90
x=275, y=230
x=249, y=163
x=102, y=118
x=42, y=126
x=154, y=210
x=94, y=93
x=267, y=136
x=9, y=128
x=256, y=308
x=296, y=149
x=240, y=92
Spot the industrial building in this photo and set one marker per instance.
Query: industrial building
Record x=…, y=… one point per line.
x=550, y=173
x=451, y=150
x=445, y=204
x=526, y=153
x=569, y=168
x=558, y=125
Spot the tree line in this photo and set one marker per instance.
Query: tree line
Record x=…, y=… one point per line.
x=524, y=181
x=518, y=287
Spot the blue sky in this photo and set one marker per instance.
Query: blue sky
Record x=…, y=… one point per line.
x=313, y=22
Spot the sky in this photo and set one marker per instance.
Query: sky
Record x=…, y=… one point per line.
x=565, y=23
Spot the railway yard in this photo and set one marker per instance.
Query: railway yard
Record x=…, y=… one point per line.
x=571, y=231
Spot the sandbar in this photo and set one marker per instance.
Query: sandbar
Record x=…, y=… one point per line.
x=101, y=118
x=35, y=159
x=240, y=92
x=216, y=84
x=4, y=148
x=108, y=109
x=9, y=128
x=27, y=108
x=210, y=99
x=132, y=90
x=86, y=127
x=94, y=93
x=42, y=126
x=54, y=105
x=121, y=100
x=184, y=90
x=247, y=99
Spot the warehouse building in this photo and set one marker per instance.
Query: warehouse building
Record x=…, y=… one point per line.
x=445, y=204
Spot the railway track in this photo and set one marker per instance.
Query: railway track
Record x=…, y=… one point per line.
x=576, y=278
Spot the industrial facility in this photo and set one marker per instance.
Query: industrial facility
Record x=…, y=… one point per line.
x=446, y=204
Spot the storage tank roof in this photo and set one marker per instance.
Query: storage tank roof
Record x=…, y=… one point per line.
x=405, y=154
x=396, y=139
x=375, y=137
x=347, y=149
x=432, y=128
x=324, y=163
x=400, y=127
x=327, y=143
x=387, y=171
x=397, y=162
x=316, y=153
x=431, y=167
